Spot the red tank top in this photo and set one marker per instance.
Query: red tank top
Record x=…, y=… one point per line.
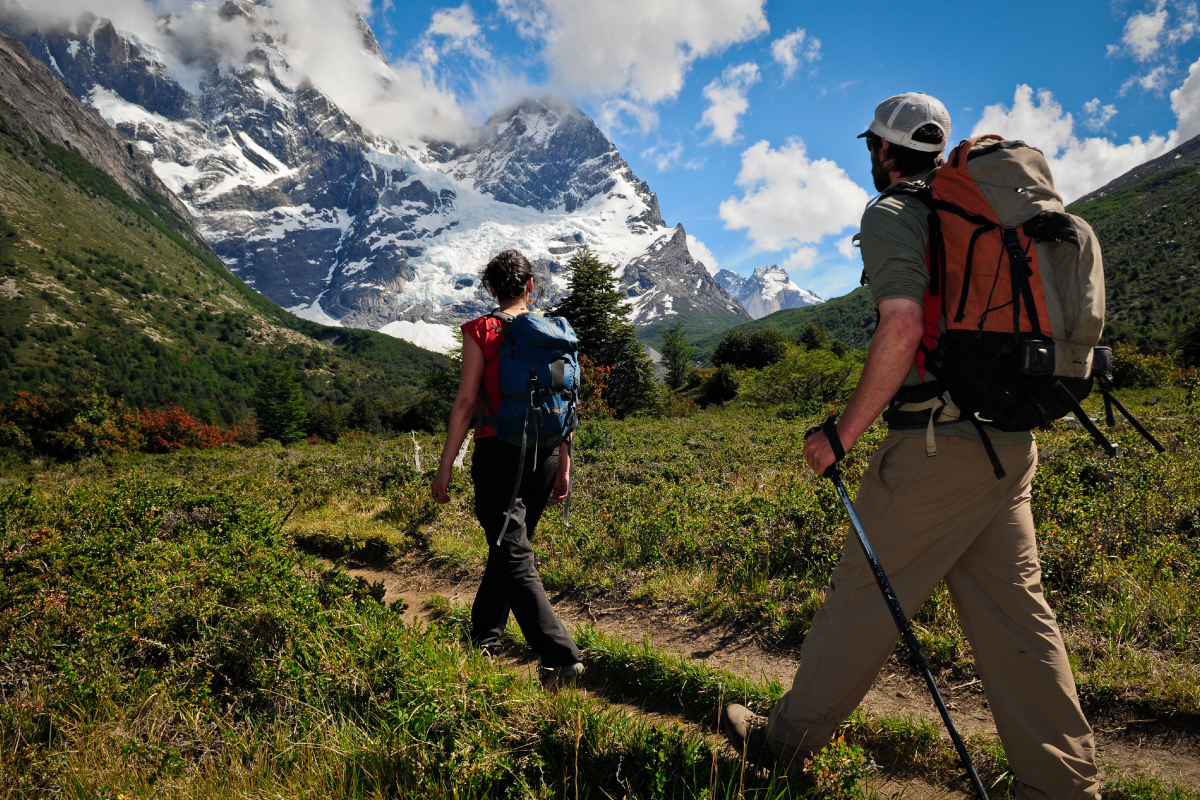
x=488, y=333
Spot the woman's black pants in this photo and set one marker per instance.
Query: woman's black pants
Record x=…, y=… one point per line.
x=510, y=580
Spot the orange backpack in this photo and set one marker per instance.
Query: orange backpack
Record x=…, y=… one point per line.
x=1015, y=303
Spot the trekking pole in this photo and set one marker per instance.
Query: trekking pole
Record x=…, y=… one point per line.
x=889, y=596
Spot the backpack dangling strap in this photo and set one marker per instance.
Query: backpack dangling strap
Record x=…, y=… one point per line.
x=1084, y=420
x=1110, y=401
x=997, y=467
x=512, y=501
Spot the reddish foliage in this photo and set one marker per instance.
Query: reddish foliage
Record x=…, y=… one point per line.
x=89, y=422
x=172, y=428
x=593, y=381
x=245, y=431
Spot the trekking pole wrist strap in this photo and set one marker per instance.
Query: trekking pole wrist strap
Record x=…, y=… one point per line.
x=829, y=428
x=835, y=441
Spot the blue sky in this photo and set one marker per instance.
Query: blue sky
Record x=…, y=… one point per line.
x=1096, y=74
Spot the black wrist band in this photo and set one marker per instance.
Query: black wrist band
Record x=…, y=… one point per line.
x=831, y=433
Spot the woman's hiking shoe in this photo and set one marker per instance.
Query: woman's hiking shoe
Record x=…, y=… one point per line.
x=747, y=733
x=557, y=677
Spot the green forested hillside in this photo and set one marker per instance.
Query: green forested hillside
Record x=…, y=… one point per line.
x=1151, y=245
x=850, y=318
x=94, y=281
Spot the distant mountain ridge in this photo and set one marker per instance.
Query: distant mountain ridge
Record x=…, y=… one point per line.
x=346, y=227
x=99, y=275
x=768, y=290
x=1185, y=155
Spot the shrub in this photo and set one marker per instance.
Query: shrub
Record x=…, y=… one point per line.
x=328, y=421
x=593, y=380
x=173, y=428
x=722, y=386
x=804, y=379
x=68, y=425
x=245, y=431
x=760, y=349
x=1189, y=345
x=1133, y=370
x=837, y=769
x=89, y=422
x=733, y=349
x=814, y=337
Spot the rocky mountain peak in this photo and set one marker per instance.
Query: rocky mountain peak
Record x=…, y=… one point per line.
x=768, y=290
x=545, y=154
x=48, y=107
x=666, y=281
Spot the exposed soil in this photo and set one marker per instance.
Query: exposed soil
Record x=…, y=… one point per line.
x=1126, y=744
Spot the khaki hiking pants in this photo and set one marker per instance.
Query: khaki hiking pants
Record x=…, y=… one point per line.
x=948, y=518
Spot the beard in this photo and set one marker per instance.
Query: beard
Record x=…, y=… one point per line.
x=879, y=173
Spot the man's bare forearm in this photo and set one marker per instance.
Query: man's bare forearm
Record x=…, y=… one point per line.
x=889, y=360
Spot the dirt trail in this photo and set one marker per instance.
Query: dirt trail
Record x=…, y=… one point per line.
x=1125, y=746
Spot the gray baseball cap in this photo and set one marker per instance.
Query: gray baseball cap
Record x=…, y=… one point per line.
x=897, y=118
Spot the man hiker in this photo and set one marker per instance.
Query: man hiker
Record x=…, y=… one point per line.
x=934, y=511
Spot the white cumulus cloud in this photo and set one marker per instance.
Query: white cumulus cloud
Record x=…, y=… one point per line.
x=1096, y=115
x=846, y=247
x=727, y=101
x=1079, y=165
x=701, y=253
x=1185, y=102
x=321, y=40
x=800, y=259
x=635, y=51
x=790, y=201
x=451, y=30
x=793, y=49
x=1142, y=32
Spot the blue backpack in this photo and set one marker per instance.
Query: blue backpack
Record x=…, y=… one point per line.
x=539, y=387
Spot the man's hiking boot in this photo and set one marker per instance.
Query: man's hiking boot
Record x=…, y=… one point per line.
x=557, y=677
x=747, y=733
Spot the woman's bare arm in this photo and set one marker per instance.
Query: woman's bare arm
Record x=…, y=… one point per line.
x=462, y=415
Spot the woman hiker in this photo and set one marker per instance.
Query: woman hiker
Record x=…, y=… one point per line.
x=510, y=580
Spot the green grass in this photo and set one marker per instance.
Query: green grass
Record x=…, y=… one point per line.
x=715, y=513
x=134, y=577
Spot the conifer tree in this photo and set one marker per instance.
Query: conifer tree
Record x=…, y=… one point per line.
x=677, y=354
x=595, y=310
x=279, y=405
x=593, y=305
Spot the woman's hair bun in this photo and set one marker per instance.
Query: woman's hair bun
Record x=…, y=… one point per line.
x=508, y=273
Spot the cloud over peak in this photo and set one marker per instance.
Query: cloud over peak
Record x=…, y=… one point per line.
x=632, y=53
x=790, y=201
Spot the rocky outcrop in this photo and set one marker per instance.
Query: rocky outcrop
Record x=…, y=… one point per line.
x=1185, y=155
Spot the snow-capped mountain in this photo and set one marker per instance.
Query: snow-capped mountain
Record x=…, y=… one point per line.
x=768, y=290
x=344, y=226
